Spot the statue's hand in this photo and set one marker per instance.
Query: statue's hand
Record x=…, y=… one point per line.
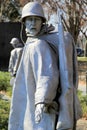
x=39, y=112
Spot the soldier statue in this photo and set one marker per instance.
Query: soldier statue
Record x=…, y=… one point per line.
x=42, y=98
x=15, y=57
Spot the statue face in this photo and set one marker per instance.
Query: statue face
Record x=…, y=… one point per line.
x=33, y=25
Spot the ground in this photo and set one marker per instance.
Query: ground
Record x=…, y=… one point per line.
x=81, y=124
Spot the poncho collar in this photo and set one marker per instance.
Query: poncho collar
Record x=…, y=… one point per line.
x=44, y=30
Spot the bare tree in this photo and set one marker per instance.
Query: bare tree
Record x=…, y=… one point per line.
x=75, y=15
x=9, y=11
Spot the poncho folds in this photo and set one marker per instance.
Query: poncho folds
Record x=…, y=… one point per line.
x=36, y=82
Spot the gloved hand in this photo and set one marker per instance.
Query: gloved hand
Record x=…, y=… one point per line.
x=39, y=112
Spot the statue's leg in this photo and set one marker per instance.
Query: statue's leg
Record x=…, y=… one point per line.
x=74, y=126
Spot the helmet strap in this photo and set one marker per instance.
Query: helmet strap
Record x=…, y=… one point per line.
x=21, y=32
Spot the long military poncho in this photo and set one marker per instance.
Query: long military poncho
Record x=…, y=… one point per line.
x=36, y=82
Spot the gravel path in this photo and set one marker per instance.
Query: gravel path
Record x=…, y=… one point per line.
x=81, y=124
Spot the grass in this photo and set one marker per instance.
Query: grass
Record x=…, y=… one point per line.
x=83, y=102
x=5, y=88
x=4, y=114
x=5, y=82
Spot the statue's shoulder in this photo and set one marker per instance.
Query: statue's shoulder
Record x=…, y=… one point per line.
x=13, y=51
x=53, y=37
x=55, y=34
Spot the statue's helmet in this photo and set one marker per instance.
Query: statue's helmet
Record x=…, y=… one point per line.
x=14, y=41
x=33, y=9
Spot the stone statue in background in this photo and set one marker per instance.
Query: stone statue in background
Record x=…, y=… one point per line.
x=37, y=92
x=15, y=57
